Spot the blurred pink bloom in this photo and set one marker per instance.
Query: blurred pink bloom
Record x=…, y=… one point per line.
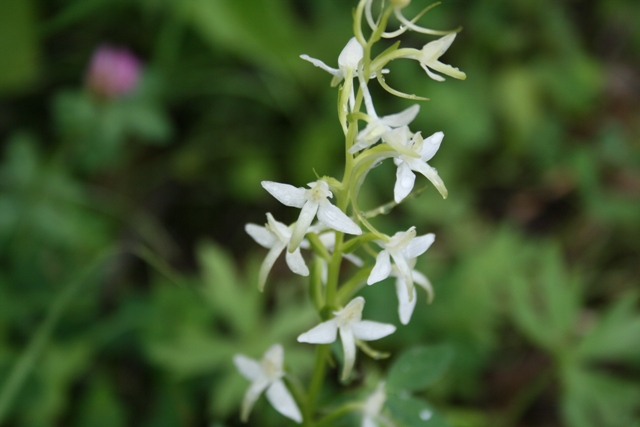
x=113, y=72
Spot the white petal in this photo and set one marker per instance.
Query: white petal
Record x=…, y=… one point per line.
x=405, y=305
x=333, y=217
x=381, y=270
x=307, y=214
x=404, y=271
x=320, y=64
x=431, y=74
x=274, y=356
x=286, y=194
x=435, y=49
x=282, y=401
x=448, y=70
x=430, y=173
x=424, y=282
x=431, y=145
x=419, y=245
x=349, y=348
x=405, y=180
x=324, y=333
x=354, y=259
x=267, y=264
x=402, y=118
x=249, y=368
x=368, y=422
x=368, y=330
x=261, y=235
x=296, y=263
x=350, y=55
x=251, y=396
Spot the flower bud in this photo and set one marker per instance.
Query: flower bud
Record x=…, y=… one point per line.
x=113, y=72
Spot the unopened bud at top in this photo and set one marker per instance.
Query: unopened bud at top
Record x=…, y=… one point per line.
x=113, y=72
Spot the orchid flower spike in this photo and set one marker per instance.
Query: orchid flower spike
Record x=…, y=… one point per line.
x=275, y=236
x=403, y=247
x=351, y=326
x=313, y=201
x=267, y=375
x=423, y=150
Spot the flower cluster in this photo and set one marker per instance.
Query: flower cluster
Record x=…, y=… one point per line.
x=341, y=227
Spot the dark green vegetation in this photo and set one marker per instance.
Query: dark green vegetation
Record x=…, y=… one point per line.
x=127, y=281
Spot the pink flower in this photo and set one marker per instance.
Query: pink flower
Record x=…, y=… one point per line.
x=113, y=72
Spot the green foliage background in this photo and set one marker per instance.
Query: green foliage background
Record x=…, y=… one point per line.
x=127, y=281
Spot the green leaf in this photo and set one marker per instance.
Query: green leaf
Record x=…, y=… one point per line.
x=594, y=399
x=408, y=411
x=19, y=60
x=419, y=367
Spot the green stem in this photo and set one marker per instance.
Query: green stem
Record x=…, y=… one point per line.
x=322, y=352
x=36, y=346
x=328, y=420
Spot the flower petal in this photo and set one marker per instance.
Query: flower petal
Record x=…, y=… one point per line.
x=267, y=264
x=430, y=173
x=402, y=118
x=261, y=235
x=274, y=356
x=431, y=145
x=351, y=55
x=324, y=333
x=368, y=330
x=405, y=180
x=405, y=304
x=333, y=217
x=381, y=270
x=249, y=368
x=419, y=245
x=307, y=213
x=320, y=64
x=282, y=401
x=296, y=263
x=286, y=194
x=251, y=395
x=349, y=348
x=424, y=282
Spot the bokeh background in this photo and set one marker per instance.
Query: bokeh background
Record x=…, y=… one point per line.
x=127, y=281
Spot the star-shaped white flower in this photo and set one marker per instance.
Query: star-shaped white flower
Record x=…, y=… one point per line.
x=267, y=375
x=421, y=150
x=372, y=408
x=429, y=57
x=403, y=247
x=313, y=201
x=351, y=326
x=275, y=236
x=406, y=304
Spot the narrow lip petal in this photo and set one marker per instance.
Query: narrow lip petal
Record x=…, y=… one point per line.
x=425, y=283
x=405, y=304
x=419, y=245
x=402, y=118
x=267, y=264
x=349, y=349
x=261, y=235
x=381, y=269
x=307, y=214
x=368, y=330
x=286, y=194
x=404, y=271
x=282, y=400
x=324, y=333
x=334, y=218
x=405, y=180
x=248, y=368
x=296, y=263
x=447, y=69
x=251, y=396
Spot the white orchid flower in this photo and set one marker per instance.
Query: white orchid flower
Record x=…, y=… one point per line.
x=267, y=375
x=372, y=409
x=348, y=61
x=275, y=236
x=429, y=57
x=313, y=201
x=351, y=326
x=377, y=127
x=402, y=247
x=407, y=304
x=423, y=150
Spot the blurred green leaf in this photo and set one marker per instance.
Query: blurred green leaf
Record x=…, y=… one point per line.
x=408, y=411
x=19, y=45
x=419, y=367
x=100, y=405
